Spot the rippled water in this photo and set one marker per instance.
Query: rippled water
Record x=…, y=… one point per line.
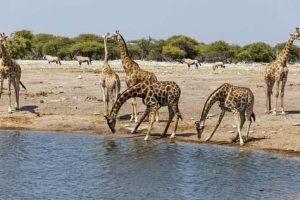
x=72, y=166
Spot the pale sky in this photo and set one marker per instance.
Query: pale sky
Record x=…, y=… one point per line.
x=235, y=21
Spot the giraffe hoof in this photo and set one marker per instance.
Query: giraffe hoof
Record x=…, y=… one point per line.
x=242, y=143
x=283, y=113
x=163, y=135
x=207, y=139
x=9, y=110
x=146, y=138
x=173, y=135
x=274, y=112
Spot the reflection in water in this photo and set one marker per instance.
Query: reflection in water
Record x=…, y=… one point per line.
x=58, y=166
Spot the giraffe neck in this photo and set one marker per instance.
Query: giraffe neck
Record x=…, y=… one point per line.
x=5, y=56
x=105, y=65
x=105, y=50
x=217, y=95
x=284, y=54
x=134, y=91
x=127, y=62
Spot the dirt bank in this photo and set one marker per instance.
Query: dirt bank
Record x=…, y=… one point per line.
x=68, y=98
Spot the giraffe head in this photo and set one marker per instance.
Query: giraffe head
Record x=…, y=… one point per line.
x=296, y=34
x=111, y=121
x=199, y=128
x=113, y=36
x=3, y=38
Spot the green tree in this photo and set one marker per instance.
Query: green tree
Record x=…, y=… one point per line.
x=219, y=51
x=19, y=45
x=180, y=46
x=59, y=46
x=38, y=43
x=256, y=52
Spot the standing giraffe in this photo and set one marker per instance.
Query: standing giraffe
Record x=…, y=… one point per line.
x=277, y=72
x=10, y=69
x=134, y=74
x=154, y=95
x=109, y=81
x=239, y=100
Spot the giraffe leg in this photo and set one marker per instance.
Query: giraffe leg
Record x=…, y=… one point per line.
x=16, y=89
x=1, y=86
x=178, y=115
x=218, y=123
x=152, y=118
x=107, y=100
x=171, y=116
x=104, y=99
x=9, y=96
x=134, y=110
x=146, y=113
x=276, y=96
x=157, y=116
x=240, y=120
x=282, y=95
x=248, y=128
x=268, y=98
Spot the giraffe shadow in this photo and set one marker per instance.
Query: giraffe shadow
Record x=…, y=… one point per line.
x=292, y=112
x=125, y=117
x=30, y=108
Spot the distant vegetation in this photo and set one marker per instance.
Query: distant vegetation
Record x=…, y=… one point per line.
x=24, y=44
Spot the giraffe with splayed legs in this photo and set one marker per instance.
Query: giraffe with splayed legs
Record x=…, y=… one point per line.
x=276, y=73
x=11, y=70
x=239, y=100
x=134, y=74
x=154, y=95
x=109, y=81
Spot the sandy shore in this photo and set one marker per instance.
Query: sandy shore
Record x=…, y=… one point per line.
x=68, y=98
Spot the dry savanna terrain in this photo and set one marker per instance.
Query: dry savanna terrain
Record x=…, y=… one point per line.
x=68, y=98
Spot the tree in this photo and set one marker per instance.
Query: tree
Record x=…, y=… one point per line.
x=180, y=46
x=38, y=43
x=20, y=44
x=256, y=52
x=59, y=46
x=219, y=51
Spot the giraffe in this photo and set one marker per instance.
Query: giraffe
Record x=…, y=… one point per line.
x=154, y=95
x=239, y=100
x=134, y=74
x=109, y=81
x=277, y=72
x=10, y=69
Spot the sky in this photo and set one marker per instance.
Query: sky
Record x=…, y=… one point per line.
x=235, y=21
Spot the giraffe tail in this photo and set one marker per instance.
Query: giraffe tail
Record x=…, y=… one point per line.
x=23, y=86
x=253, y=116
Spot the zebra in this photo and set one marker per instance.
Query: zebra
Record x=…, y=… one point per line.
x=51, y=59
x=218, y=64
x=190, y=62
x=82, y=59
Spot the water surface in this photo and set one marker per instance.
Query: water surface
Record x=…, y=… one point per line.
x=75, y=166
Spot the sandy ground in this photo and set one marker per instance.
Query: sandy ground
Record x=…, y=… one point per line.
x=68, y=98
